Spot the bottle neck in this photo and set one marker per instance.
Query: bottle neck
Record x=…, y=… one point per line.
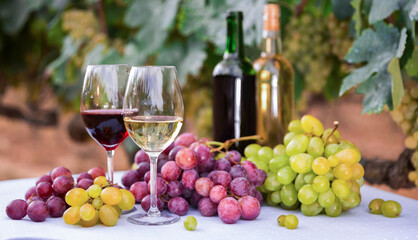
x=234, y=39
x=272, y=44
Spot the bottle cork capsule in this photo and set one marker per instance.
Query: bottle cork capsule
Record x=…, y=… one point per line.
x=271, y=16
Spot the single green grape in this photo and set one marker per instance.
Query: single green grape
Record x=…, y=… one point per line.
x=97, y=203
x=320, y=184
x=326, y=199
x=299, y=181
x=353, y=200
x=108, y=215
x=348, y=155
x=289, y=195
x=220, y=155
x=343, y=171
x=279, y=150
x=94, y=191
x=316, y=147
x=275, y=197
x=309, y=177
x=331, y=149
x=101, y=181
x=72, y=215
x=307, y=194
x=320, y=165
x=278, y=162
x=301, y=163
x=262, y=189
x=128, y=200
x=280, y=220
x=312, y=209
x=76, y=197
x=391, y=209
x=286, y=175
x=375, y=206
x=259, y=163
x=291, y=221
x=333, y=161
x=271, y=183
x=329, y=175
x=291, y=207
x=190, y=223
x=311, y=124
x=288, y=137
x=87, y=212
x=265, y=154
x=331, y=139
x=334, y=210
x=251, y=150
x=295, y=126
x=358, y=171
x=340, y=188
x=298, y=144
x=360, y=181
x=270, y=201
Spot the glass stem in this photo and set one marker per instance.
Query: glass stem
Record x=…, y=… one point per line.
x=153, y=210
x=110, y=155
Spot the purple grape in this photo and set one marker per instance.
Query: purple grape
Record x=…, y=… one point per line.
x=33, y=199
x=139, y=190
x=62, y=184
x=130, y=177
x=162, y=157
x=147, y=177
x=250, y=207
x=238, y=171
x=168, y=149
x=60, y=171
x=229, y=210
x=185, y=139
x=222, y=164
x=261, y=177
x=38, y=210
x=259, y=197
x=233, y=156
x=194, y=199
x=175, y=189
x=203, y=186
x=141, y=156
x=251, y=169
x=217, y=193
x=220, y=177
x=188, y=179
x=173, y=153
x=178, y=205
x=160, y=164
x=207, y=208
x=240, y=187
x=85, y=183
x=56, y=206
x=16, y=209
x=253, y=191
x=84, y=175
x=205, y=162
x=161, y=186
x=44, y=189
x=170, y=171
x=146, y=203
x=30, y=192
x=187, y=193
x=44, y=178
x=143, y=168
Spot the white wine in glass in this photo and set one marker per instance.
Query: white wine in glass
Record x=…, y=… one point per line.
x=153, y=115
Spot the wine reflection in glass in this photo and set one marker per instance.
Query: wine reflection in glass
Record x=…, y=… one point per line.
x=153, y=115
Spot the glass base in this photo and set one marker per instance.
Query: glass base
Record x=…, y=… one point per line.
x=144, y=219
x=129, y=211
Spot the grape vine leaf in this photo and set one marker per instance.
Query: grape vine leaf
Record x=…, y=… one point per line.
x=397, y=83
x=382, y=9
x=377, y=48
x=14, y=13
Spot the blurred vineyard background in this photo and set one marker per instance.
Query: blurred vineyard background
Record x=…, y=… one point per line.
x=45, y=46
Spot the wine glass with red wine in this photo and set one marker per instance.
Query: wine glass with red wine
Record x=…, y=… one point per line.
x=153, y=115
x=101, y=107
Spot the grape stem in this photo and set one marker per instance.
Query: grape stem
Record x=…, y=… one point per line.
x=228, y=143
x=336, y=123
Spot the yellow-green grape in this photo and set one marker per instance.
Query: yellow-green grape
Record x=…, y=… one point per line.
x=108, y=215
x=353, y=200
x=358, y=171
x=279, y=150
x=391, y=209
x=87, y=212
x=320, y=166
x=331, y=149
x=412, y=176
x=270, y=201
x=118, y=209
x=329, y=175
x=275, y=197
x=360, y=182
x=101, y=181
x=278, y=162
x=298, y=144
x=271, y=183
x=340, y=188
x=343, y=171
x=355, y=188
x=94, y=191
x=410, y=142
x=111, y=196
x=92, y=222
x=327, y=138
x=71, y=216
x=222, y=155
x=299, y=181
x=295, y=126
x=259, y=163
x=307, y=195
x=288, y=137
x=291, y=221
x=262, y=189
x=128, y=200
x=301, y=163
x=76, y=197
x=316, y=147
x=312, y=209
x=97, y=203
x=265, y=154
x=289, y=195
x=320, y=184
x=375, y=206
x=326, y=199
x=251, y=150
x=333, y=161
x=286, y=175
x=309, y=177
x=190, y=223
x=334, y=210
x=280, y=220
x=311, y=124
x=346, y=144
x=348, y=155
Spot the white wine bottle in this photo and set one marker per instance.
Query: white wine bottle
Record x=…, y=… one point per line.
x=275, y=82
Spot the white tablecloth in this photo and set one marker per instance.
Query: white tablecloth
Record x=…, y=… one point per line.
x=357, y=223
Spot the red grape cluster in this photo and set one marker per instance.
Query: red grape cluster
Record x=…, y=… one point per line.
x=189, y=174
x=48, y=194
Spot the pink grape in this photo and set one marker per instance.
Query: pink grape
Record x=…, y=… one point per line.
x=168, y=149
x=38, y=210
x=30, y=192
x=62, y=184
x=161, y=186
x=233, y=156
x=44, y=178
x=142, y=168
x=178, y=205
x=203, y=186
x=130, y=177
x=141, y=156
x=173, y=153
x=229, y=210
x=238, y=171
x=146, y=203
x=217, y=193
x=34, y=198
x=139, y=190
x=222, y=164
x=97, y=172
x=185, y=139
x=251, y=169
x=206, y=207
x=84, y=175
x=44, y=189
x=186, y=159
x=170, y=171
x=189, y=178
x=220, y=177
x=205, y=162
x=60, y=171
x=175, y=189
x=16, y=209
x=250, y=207
x=56, y=206
x=85, y=183
x=240, y=187
x=147, y=177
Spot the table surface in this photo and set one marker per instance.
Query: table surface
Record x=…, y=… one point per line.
x=356, y=223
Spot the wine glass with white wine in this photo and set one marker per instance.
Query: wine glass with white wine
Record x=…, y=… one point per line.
x=153, y=115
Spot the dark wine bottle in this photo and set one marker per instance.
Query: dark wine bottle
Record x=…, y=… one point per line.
x=234, y=88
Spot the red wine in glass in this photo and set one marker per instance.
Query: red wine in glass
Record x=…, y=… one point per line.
x=105, y=126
